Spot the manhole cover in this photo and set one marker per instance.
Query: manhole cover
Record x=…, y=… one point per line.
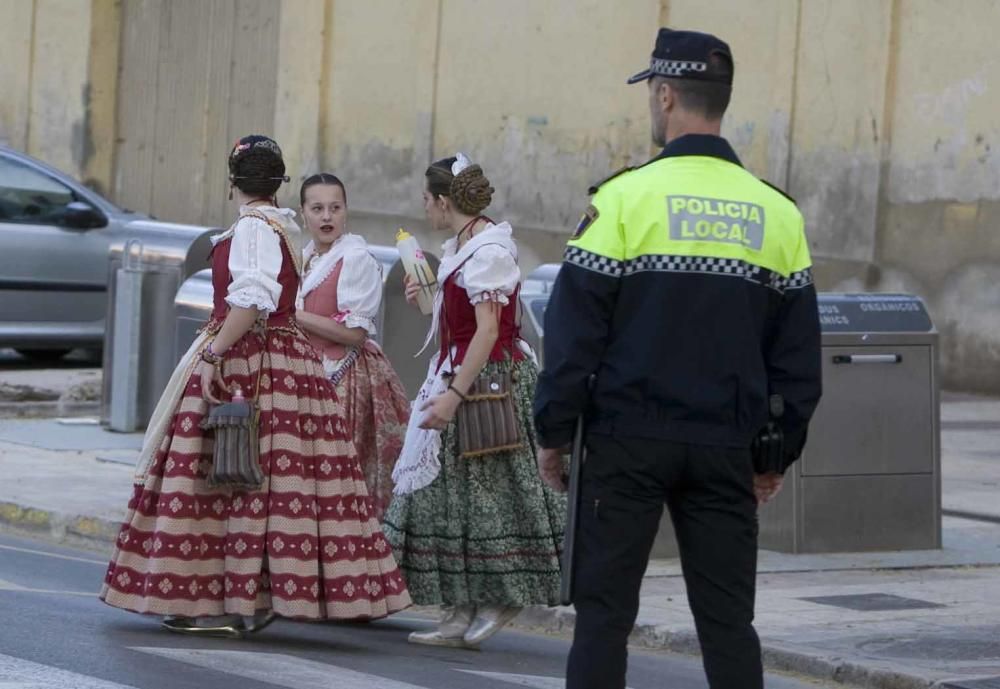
x=939, y=648
x=873, y=601
x=985, y=683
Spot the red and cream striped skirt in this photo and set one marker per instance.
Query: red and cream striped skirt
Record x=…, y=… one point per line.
x=307, y=545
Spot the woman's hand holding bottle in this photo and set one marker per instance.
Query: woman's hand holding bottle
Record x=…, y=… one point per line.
x=412, y=289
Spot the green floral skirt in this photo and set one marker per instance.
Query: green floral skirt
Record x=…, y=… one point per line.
x=487, y=530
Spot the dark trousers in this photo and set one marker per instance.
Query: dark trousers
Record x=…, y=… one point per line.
x=709, y=491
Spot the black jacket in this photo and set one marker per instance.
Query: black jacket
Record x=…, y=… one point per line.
x=688, y=290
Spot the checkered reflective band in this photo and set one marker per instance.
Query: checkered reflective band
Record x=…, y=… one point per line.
x=661, y=263
x=675, y=68
x=594, y=262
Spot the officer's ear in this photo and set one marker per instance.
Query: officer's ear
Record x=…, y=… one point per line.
x=662, y=96
x=668, y=96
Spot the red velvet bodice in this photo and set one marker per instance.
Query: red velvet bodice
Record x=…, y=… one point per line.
x=221, y=277
x=458, y=324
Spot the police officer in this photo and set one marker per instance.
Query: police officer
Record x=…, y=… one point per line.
x=687, y=290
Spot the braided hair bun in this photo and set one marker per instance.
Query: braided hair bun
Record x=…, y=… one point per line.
x=256, y=166
x=470, y=191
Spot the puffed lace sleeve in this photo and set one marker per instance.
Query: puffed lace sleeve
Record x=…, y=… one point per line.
x=491, y=274
x=359, y=291
x=255, y=261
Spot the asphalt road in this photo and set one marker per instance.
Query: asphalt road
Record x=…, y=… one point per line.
x=55, y=634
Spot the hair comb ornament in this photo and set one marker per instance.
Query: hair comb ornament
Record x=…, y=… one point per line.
x=262, y=142
x=461, y=162
x=269, y=145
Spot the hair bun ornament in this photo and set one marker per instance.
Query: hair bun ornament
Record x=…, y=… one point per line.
x=461, y=162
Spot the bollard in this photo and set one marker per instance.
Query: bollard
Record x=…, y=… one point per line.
x=123, y=413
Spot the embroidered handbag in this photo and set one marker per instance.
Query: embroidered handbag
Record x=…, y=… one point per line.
x=487, y=420
x=236, y=455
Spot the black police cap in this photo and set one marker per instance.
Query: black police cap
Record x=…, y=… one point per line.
x=686, y=55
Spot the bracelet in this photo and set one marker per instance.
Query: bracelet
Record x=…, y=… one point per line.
x=456, y=391
x=210, y=357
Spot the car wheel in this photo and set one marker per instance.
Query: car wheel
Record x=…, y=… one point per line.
x=45, y=355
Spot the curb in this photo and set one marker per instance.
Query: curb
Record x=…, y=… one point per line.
x=47, y=409
x=93, y=533
x=777, y=657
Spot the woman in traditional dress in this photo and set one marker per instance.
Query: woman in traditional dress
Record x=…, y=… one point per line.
x=479, y=535
x=305, y=544
x=341, y=293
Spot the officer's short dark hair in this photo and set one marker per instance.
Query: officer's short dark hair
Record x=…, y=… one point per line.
x=708, y=98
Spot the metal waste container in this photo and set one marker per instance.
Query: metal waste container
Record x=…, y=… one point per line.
x=870, y=475
x=192, y=309
x=139, y=331
x=401, y=328
x=535, y=292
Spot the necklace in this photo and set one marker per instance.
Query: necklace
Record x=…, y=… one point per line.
x=468, y=226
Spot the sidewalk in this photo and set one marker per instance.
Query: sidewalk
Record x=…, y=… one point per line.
x=49, y=392
x=881, y=620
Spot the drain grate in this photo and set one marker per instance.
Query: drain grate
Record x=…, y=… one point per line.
x=872, y=602
x=985, y=683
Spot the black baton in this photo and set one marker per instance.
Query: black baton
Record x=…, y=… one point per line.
x=577, y=457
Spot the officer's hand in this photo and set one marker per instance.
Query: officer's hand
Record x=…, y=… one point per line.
x=550, y=468
x=766, y=486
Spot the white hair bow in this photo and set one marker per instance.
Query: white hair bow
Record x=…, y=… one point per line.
x=461, y=162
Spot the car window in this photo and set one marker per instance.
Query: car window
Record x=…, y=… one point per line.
x=31, y=197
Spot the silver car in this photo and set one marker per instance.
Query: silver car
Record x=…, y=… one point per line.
x=55, y=238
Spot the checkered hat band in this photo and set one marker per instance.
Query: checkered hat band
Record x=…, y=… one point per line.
x=676, y=68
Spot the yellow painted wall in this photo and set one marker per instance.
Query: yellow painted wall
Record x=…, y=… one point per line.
x=378, y=100
x=43, y=79
x=882, y=125
x=15, y=70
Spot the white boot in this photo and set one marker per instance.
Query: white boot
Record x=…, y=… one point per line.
x=489, y=620
x=450, y=631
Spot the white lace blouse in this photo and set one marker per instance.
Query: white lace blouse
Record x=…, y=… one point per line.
x=359, y=290
x=255, y=259
x=490, y=274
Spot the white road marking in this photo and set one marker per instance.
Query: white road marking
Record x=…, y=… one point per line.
x=533, y=681
x=103, y=563
x=8, y=586
x=11, y=586
x=16, y=673
x=280, y=670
